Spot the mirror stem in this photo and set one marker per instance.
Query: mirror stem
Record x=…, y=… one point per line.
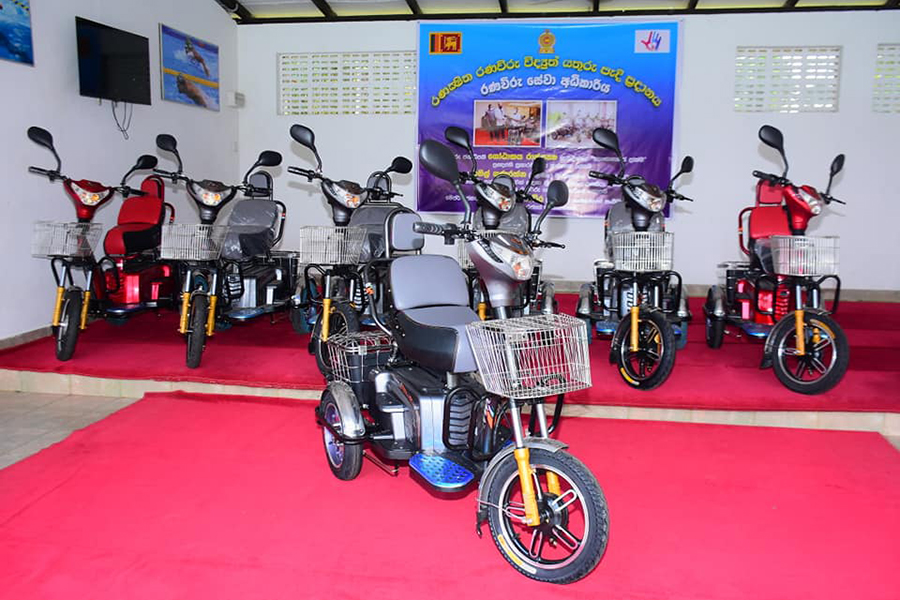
x=465, y=201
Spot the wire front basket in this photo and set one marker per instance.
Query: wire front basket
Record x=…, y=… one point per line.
x=321, y=245
x=643, y=251
x=531, y=357
x=192, y=242
x=353, y=355
x=799, y=256
x=462, y=252
x=74, y=240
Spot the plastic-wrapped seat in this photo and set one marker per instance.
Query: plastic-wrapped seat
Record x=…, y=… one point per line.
x=252, y=224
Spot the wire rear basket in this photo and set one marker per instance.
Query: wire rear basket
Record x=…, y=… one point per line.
x=320, y=245
x=75, y=240
x=192, y=242
x=799, y=256
x=531, y=357
x=462, y=253
x=353, y=355
x=643, y=251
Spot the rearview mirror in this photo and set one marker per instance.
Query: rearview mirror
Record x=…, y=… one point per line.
x=458, y=136
x=400, y=164
x=166, y=142
x=687, y=165
x=268, y=158
x=438, y=160
x=771, y=136
x=837, y=165
x=557, y=194
x=41, y=137
x=305, y=137
x=145, y=162
x=538, y=166
x=606, y=138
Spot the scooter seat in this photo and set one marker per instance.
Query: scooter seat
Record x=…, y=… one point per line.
x=435, y=337
x=131, y=238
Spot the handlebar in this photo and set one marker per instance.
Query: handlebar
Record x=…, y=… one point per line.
x=308, y=173
x=770, y=177
x=542, y=244
x=673, y=195
x=428, y=228
x=607, y=177
x=49, y=173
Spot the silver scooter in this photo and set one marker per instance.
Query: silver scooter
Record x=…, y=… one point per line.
x=443, y=390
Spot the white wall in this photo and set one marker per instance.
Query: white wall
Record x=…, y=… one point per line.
x=86, y=137
x=723, y=142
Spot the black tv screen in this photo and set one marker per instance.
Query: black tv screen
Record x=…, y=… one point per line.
x=112, y=64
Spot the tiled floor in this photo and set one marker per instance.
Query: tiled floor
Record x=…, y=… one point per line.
x=30, y=422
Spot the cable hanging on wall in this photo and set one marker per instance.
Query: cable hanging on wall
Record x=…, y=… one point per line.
x=127, y=114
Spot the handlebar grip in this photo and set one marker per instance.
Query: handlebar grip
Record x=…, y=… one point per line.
x=38, y=170
x=838, y=201
x=766, y=176
x=428, y=228
x=607, y=177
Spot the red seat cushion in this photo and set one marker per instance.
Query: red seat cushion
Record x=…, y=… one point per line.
x=766, y=221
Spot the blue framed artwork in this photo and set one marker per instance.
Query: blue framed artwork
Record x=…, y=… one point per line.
x=190, y=69
x=15, y=31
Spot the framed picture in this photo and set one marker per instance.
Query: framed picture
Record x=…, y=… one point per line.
x=190, y=69
x=15, y=31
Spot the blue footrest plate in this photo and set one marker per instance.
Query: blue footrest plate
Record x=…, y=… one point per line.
x=441, y=472
x=607, y=327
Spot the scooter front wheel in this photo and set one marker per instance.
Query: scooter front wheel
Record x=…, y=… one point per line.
x=196, y=336
x=825, y=358
x=69, y=324
x=343, y=320
x=344, y=460
x=652, y=363
x=570, y=539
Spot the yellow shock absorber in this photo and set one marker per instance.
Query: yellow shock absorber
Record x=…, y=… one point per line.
x=799, y=327
x=553, y=483
x=326, y=317
x=635, y=320
x=84, y=309
x=57, y=308
x=528, y=498
x=185, y=304
x=211, y=317
x=482, y=310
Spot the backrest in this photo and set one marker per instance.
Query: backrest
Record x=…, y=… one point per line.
x=141, y=210
x=400, y=231
x=767, y=193
x=252, y=214
x=766, y=221
x=427, y=280
x=153, y=185
x=262, y=181
x=372, y=217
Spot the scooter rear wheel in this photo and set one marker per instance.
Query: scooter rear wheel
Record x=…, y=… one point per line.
x=196, y=336
x=826, y=356
x=344, y=460
x=69, y=324
x=572, y=535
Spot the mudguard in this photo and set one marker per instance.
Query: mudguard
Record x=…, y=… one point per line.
x=585, y=296
x=548, y=295
x=490, y=472
x=715, y=302
x=786, y=321
x=352, y=423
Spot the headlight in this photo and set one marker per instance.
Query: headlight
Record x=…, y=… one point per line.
x=515, y=254
x=207, y=197
x=498, y=195
x=815, y=204
x=351, y=198
x=86, y=197
x=648, y=196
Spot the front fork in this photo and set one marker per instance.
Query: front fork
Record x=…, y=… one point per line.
x=326, y=309
x=187, y=294
x=60, y=295
x=527, y=476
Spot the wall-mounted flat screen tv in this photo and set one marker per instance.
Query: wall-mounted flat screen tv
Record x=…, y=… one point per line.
x=112, y=64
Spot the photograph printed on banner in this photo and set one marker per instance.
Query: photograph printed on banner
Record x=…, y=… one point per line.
x=507, y=123
x=570, y=123
x=190, y=69
x=15, y=31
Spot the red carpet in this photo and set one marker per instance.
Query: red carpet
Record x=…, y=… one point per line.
x=260, y=354
x=186, y=496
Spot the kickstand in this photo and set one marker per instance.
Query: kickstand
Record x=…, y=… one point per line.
x=392, y=470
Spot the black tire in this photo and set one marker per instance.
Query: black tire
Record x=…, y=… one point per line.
x=652, y=364
x=565, y=561
x=196, y=335
x=69, y=324
x=825, y=362
x=715, y=326
x=298, y=320
x=343, y=320
x=344, y=460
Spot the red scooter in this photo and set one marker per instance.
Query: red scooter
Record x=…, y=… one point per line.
x=130, y=277
x=777, y=294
